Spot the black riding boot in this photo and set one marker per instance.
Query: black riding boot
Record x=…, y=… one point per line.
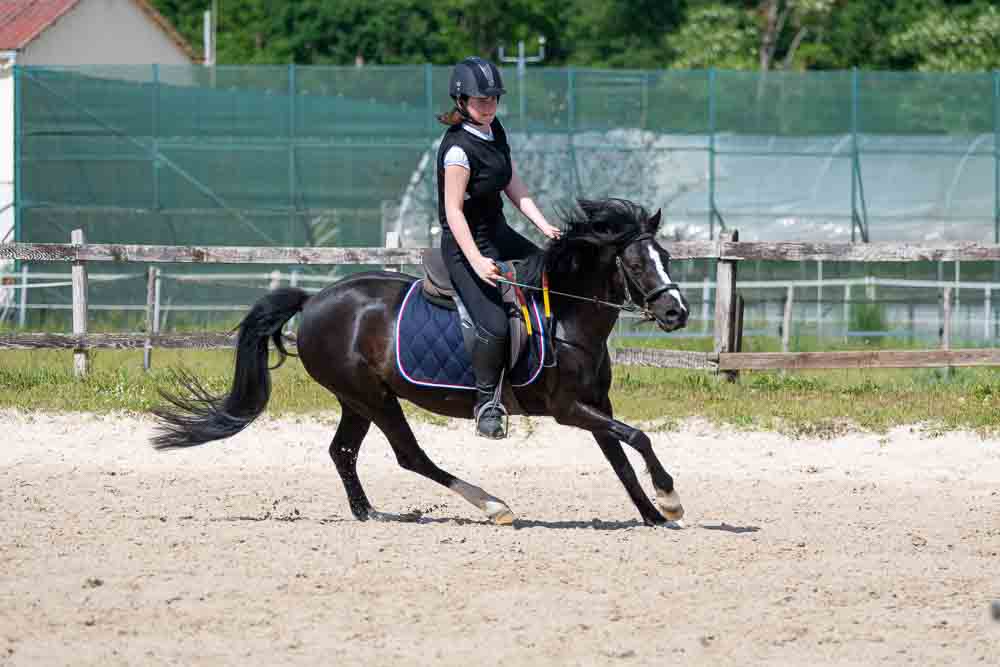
x=488, y=356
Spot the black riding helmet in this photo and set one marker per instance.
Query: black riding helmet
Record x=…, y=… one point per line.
x=475, y=77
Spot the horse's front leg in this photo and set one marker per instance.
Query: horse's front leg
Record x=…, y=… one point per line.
x=609, y=432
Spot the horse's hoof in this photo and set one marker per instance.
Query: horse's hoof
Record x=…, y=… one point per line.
x=670, y=505
x=499, y=514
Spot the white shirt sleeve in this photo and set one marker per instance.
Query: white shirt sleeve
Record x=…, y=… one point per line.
x=456, y=155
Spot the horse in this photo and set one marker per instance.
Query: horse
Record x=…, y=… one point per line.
x=346, y=337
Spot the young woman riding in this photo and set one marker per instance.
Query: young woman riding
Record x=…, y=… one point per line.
x=473, y=168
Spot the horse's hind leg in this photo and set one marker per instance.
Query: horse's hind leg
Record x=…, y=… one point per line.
x=392, y=422
x=344, y=451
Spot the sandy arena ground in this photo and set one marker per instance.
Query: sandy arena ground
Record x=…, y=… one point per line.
x=860, y=550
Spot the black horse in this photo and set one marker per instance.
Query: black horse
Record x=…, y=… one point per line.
x=346, y=339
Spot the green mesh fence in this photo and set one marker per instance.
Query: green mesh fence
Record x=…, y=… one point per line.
x=342, y=155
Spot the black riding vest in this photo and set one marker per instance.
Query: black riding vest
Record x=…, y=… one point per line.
x=489, y=173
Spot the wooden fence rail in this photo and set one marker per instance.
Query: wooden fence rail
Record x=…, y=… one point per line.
x=728, y=251
x=724, y=249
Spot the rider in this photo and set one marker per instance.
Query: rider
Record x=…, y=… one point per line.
x=473, y=168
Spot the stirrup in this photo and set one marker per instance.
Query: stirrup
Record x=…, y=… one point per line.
x=496, y=404
x=500, y=415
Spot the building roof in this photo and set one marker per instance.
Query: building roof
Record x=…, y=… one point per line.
x=21, y=21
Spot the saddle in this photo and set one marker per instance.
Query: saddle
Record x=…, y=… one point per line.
x=437, y=289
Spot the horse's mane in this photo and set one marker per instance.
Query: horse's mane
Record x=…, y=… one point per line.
x=588, y=226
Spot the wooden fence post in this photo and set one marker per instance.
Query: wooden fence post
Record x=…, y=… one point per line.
x=80, y=358
x=152, y=314
x=725, y=301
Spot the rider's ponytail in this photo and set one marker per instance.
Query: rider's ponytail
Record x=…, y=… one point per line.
x=456, y=116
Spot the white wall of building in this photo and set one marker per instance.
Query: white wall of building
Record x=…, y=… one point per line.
x=104, y=32
x=6, y=174
x=6, y=152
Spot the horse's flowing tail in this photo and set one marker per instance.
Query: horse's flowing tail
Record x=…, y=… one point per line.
x=202, y=417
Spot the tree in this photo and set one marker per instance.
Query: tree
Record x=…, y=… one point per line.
x=621, y=33
x=785, y=24
x=773, y=33
x=952, y=40
x=715, y=36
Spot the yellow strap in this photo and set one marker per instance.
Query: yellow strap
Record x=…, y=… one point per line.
x=545, y=295
x=527, y=318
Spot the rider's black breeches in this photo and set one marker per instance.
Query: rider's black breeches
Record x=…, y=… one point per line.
x=484, y=302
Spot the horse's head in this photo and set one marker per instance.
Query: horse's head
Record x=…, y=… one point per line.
x=645, y=265
x=619, y=232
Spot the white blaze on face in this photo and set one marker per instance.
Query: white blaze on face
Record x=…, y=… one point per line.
x=663, y=274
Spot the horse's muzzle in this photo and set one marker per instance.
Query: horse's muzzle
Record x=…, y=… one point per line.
x=674, y=319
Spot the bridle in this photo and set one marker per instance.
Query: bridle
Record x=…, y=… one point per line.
x=647, y=297
x=628, y=305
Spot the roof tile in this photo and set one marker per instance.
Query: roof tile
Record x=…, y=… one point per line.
x=22, y=20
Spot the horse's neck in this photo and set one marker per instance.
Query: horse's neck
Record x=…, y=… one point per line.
x=588, y=323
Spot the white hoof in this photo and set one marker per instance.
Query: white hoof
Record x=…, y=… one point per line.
x=499, y=513
x=670, y=505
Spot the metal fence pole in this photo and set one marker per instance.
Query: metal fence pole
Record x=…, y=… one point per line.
x=571, y=125
x=847, y=312
x=711, y=153
x=392, y=241
x=292, y=177
x=819, y=301
x=786, y=320
x=946, y=320
x=429, y=95
x=18, y=147
x=996, y=157
x=987, y=310
x=155, y=131
x=706, y=299
x=859, y=219
x=293, y=281
x=22, y=315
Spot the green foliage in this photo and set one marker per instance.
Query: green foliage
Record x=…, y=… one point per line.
x=952, y=40
x=946, y=35
x=621, y=33
x=715, y=36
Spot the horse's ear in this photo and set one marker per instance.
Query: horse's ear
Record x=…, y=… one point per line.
x=654, y=221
